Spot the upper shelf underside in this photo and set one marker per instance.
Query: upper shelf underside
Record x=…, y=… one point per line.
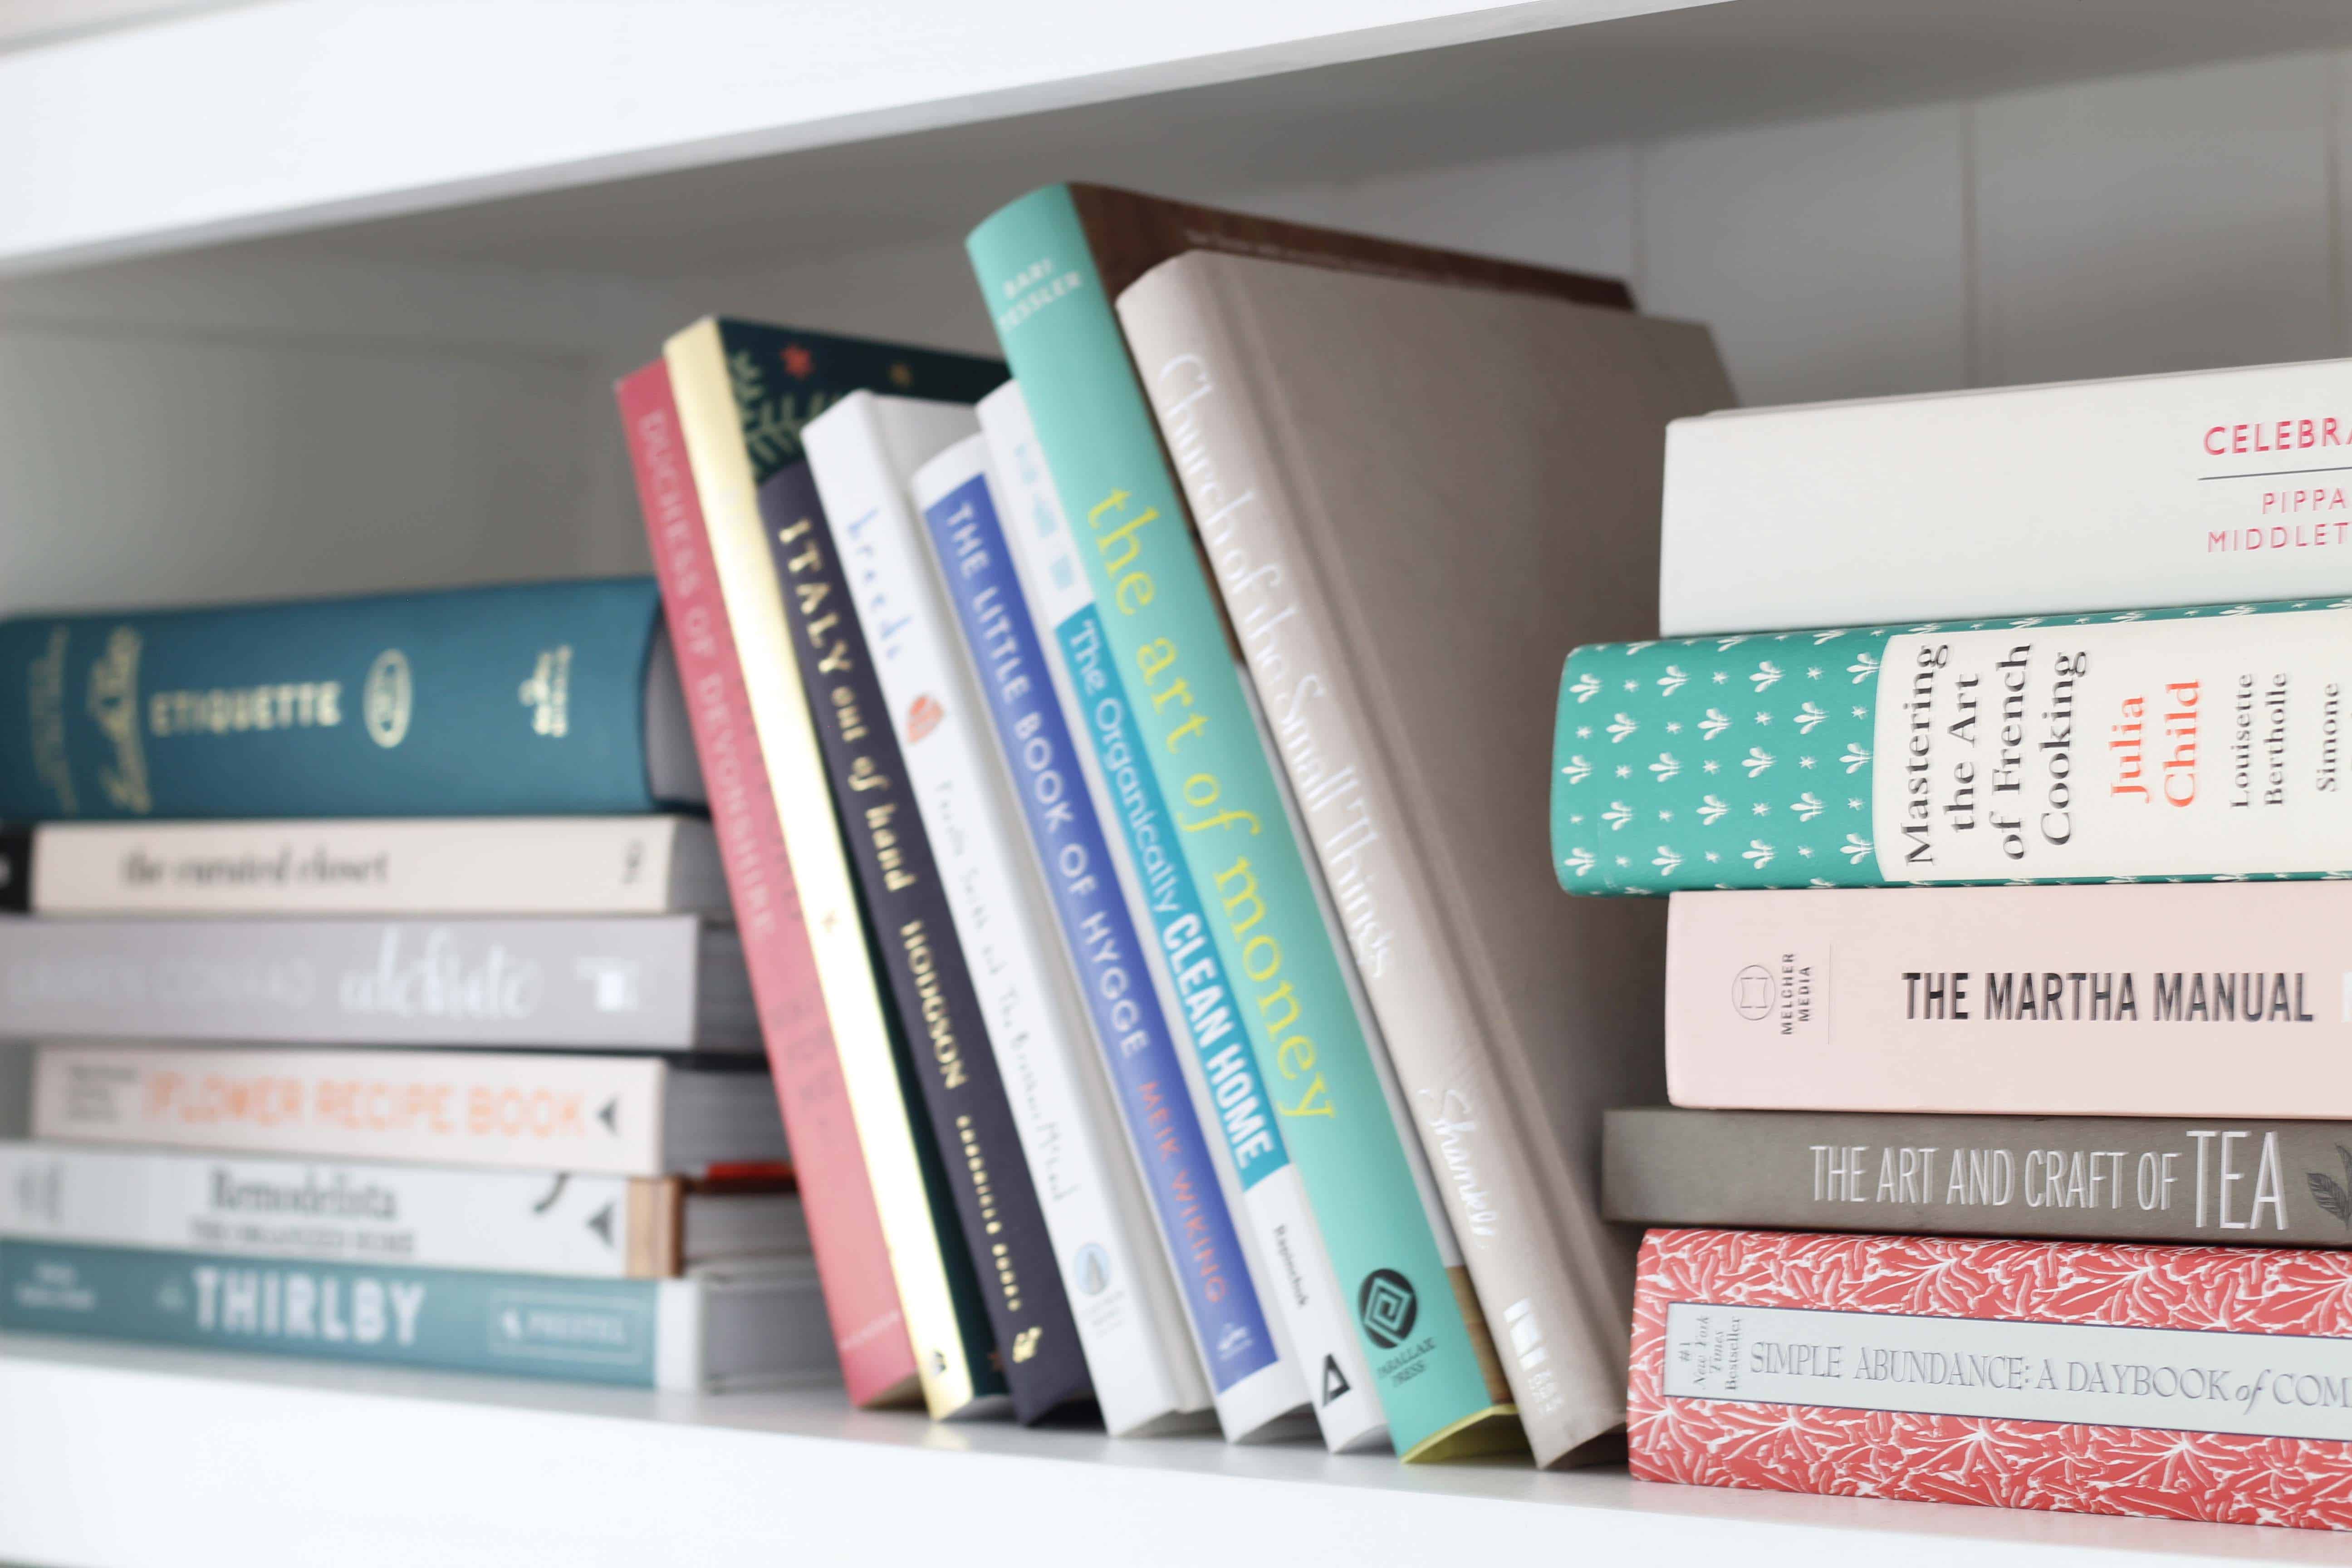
x=703, y=135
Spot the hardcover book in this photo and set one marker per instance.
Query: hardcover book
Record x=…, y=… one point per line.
x=532, y=699
x=432, y=1216
x=612, y=1115
x=652, y=983
x=2097, y=1178
x=2153, y=490
x=1128, y=1039
x=2197, y=743
x=1051, y=293
x=726, y=1326
x=2225, y=1000
x=853, y=1255
x=1393, y=669
x=389, y=866
x=964, y=1088
x=2092, y=1377
x=742, y=392
x=1290, y=1268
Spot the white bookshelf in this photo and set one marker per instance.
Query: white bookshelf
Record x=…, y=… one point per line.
x=323, y=295
x=130, y=1457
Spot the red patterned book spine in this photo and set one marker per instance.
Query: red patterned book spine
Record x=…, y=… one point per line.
x=861, y=1296
x=2210, y=1383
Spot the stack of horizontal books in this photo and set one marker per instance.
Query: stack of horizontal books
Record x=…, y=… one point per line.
x=2003, y=909
x=321, y=1074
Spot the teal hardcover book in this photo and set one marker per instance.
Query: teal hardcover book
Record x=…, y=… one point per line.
x=1047, y=291
x=2176, y=744
x=649, y=1334
x=536, y=699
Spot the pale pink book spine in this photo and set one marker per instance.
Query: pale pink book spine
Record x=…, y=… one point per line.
x=2203, y=1383
x=2212, y=999
x=861, y=1294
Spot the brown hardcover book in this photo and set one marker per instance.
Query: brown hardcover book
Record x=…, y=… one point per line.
x=1416, y=498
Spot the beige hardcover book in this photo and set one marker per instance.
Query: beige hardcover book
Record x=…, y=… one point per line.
x=951, y=1368
x=1416, y=498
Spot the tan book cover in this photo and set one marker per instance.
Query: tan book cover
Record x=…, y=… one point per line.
x=1416, y=498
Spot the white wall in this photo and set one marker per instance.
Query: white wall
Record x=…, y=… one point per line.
x=217, y=425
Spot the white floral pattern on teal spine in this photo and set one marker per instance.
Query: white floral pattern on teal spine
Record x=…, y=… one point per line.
x=1739, y=761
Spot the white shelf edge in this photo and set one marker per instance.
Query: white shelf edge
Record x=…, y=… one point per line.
x=272, y=117
x=123, y=1456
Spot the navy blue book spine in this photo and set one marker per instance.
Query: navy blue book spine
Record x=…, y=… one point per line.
x=963, y=1092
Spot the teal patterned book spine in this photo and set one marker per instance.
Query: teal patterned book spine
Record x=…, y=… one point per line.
x=1168, y=639
x=2179, y=744
x=583, y=1331
x=480, y=701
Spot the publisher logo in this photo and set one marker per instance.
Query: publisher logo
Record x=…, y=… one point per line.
x=1387, y=1307
x=386, y=699
x=1751, y=992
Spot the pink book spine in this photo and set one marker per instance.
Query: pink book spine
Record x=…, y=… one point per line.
x=2208, y=1382
x=2228, y=999
x=861, y=1295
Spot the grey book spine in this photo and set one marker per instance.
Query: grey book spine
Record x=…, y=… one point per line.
x=663, y=983
x=2097, y=1178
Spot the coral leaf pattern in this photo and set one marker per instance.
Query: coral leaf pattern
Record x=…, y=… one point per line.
x=2233, y=1478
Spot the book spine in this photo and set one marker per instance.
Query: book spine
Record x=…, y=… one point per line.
x=584, y=1330
x=514, y=866
x=1216, y=422
x=2149, y=1000
x=525, y=1221
x=587, y=985
x=522, y=700
x=963, y=1092
x=1297, y=1294
x=2142, y=743
x=1101, y=445
x=2177, y=1382
x=2096, y=1178
x=852, y=1256
x=534, y=1111
x=2173, y=490
x=1130, y=1034
x=877, y=1073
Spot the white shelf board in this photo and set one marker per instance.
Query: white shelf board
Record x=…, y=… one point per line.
x=668, y=137
x=121, y=1456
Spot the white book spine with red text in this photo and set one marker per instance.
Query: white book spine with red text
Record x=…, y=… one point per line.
x=2153, y=491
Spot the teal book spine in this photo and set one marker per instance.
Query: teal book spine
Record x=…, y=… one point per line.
x=484, y=701
x=581, y=1331
x=1160, y=616
x=2181, y=744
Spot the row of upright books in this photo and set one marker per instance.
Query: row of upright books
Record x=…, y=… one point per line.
x=1992, y=762
x=1120, y=769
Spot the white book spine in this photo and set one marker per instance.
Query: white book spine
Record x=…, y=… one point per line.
x=2202, y=488
x=464, y=1108
x=1279, y=1236
x=429, y=1216
x=863, y=453
x=455, y=866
